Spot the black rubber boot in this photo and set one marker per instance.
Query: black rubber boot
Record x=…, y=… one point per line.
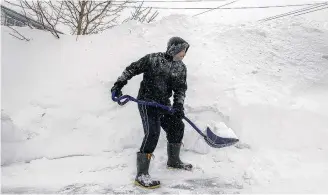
x=143, y=178
x=173, y=152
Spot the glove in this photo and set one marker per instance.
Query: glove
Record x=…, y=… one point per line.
x=178, y=111
x=118, y=90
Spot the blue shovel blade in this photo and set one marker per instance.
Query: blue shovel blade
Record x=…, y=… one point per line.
x=217, y=141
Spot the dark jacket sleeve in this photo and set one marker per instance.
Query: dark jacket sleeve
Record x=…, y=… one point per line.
x=180, y=88
x=133, y=69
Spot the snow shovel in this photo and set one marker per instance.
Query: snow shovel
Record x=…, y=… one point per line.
x=210, y=138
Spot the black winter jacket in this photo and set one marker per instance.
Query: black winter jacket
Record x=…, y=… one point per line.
x=161, y=75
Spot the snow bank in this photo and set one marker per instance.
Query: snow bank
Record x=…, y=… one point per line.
x=267, y=82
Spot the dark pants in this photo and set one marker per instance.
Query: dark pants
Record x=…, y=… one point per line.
x=153, y=119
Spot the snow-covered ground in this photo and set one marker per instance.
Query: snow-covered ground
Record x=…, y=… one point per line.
x=60, y=131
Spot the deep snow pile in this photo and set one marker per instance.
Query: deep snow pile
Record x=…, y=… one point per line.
x=268, y=82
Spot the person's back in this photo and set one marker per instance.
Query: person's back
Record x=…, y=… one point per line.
x=164, y=73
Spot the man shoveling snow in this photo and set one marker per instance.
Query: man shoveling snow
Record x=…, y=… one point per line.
x=163, y=73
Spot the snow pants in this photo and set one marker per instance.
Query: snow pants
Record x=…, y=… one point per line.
x=153, y=119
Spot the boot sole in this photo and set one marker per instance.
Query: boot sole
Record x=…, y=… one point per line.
x=150, y=187
x=173, y=168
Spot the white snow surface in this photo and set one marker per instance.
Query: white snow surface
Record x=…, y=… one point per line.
x=268, y=82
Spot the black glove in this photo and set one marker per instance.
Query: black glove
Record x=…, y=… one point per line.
x=178, y=111
x=118, y=90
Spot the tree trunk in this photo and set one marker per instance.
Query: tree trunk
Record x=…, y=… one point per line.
x=81, y=15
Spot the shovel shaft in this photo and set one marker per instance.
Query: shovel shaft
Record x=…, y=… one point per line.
x=126, y=98
x=194, y=126
x=212, y=139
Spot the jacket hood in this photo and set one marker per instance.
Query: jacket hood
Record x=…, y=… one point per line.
x=175, y=45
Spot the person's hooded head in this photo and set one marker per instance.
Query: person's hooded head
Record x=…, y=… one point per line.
x=177, y=48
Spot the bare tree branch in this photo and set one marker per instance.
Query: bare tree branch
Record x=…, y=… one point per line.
x=11, y=3
x=104, y=9
x=57, y=10
x=152, y=17
x=93, y=9
x=73, y=14
x=45, y=13
x=22, y=37
x=141, y=15
x=27, y=18
x=84, y=16
x=53, y=30
x=90, y=16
